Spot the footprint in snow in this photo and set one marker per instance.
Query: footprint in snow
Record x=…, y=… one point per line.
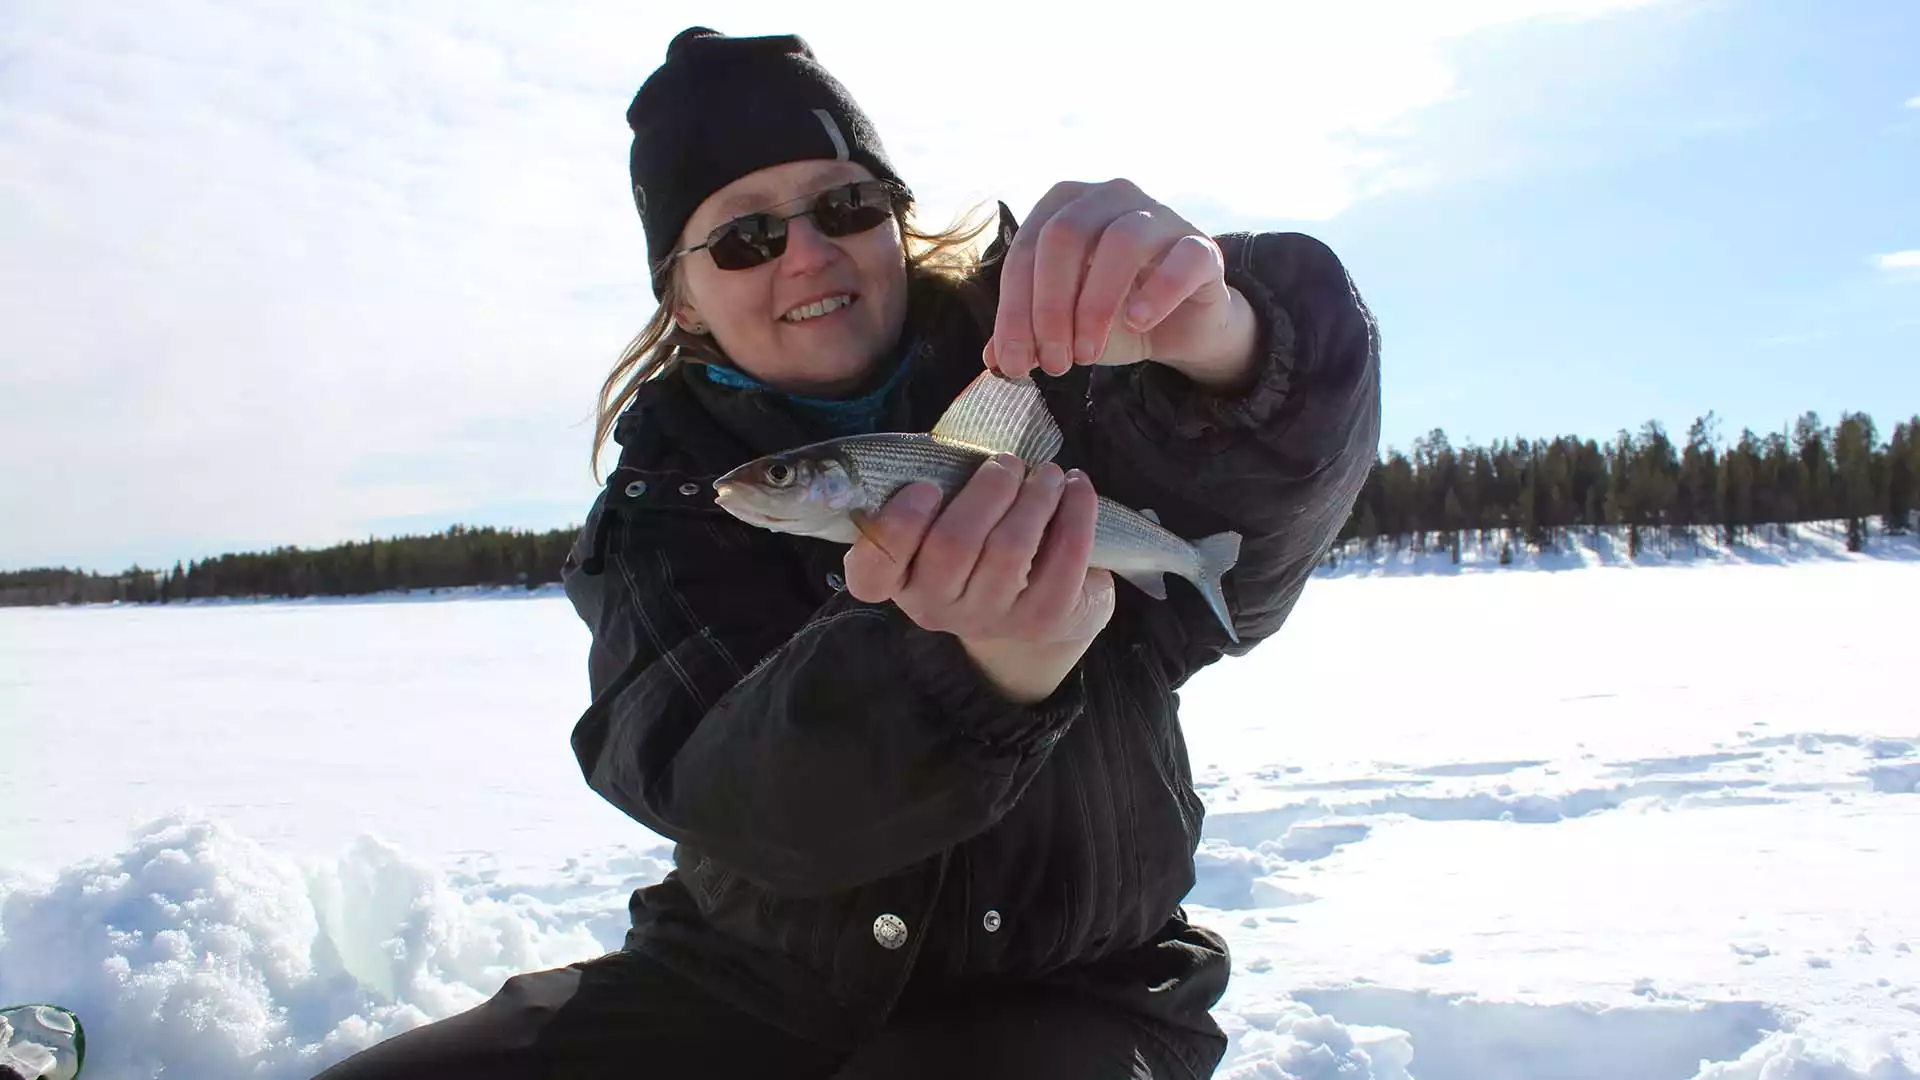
x=1750, y=953
x=1436, y=956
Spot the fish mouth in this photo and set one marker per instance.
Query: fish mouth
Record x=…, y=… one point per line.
x=736, y=501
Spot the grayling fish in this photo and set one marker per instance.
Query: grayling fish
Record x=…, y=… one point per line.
x=816, y=490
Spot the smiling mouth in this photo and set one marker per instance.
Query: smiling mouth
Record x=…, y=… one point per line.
x=819, y=308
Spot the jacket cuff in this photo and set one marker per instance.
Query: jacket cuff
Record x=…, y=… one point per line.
x=938, y=667
x=1179, y=409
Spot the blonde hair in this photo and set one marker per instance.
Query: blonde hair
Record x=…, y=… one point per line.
x=945, y=257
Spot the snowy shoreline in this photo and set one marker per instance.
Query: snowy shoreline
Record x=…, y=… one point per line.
x=1582, y=548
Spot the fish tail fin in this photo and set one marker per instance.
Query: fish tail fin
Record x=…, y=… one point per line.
x=1218, y=554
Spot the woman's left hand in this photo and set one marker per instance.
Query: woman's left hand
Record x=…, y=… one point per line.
x=1103, y=274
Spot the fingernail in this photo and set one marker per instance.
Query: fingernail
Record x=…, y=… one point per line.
x=1075, y=476
x=1051, y=475
x=1053, y=357
x=1085, y=349
x=1014, y=356
x=920, y=498
x=1138, y=313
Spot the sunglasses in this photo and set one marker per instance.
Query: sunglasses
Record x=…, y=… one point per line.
x=752, y=239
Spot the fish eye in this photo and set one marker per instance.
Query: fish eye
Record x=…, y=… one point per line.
x=779, y=474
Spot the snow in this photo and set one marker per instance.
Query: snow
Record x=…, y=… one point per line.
x=1612, y=821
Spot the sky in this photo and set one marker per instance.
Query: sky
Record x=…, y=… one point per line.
x=283, y=273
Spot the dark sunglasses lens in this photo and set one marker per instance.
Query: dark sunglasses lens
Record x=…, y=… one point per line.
x=748, y=242
x=851, y=209
x=745, y=243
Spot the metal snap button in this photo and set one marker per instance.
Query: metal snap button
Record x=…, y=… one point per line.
x=991, y=920
x=835, y=581
x=890, y=931
x=689, y=488
x=636, y=489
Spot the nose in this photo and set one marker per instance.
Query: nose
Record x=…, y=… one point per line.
x=808, y=249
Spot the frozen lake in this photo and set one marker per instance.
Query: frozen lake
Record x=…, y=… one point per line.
x=1602, y=824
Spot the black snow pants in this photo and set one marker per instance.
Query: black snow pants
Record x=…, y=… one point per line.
x=624, y=1015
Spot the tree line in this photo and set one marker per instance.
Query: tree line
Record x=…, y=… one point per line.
x=1532, y=491
x=1524, y=491
x=460, y=556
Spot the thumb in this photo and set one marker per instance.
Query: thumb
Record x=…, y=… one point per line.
x=877, y=564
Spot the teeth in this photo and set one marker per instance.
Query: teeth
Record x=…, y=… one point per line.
x=817, y=308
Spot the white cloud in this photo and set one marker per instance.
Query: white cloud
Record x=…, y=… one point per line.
x=276, y=271
x=1914, y=102
x=1898, y=260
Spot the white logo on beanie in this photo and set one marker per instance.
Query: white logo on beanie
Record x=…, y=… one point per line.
x=833, y=132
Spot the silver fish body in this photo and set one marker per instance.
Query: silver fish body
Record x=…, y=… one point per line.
x=817, y=490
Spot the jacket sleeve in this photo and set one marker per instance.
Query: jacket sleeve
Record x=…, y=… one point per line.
x=1282, y=462
x=807, y=760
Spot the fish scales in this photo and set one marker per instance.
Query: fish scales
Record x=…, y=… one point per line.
x=1122, y=539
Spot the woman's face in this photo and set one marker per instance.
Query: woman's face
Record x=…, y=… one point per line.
x=767, y=318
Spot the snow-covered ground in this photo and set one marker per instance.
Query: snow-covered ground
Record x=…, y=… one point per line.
x=1646, y=823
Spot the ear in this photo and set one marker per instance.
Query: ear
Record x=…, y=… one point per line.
x=687, y=317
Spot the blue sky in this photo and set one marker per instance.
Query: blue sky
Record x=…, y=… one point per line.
x=1681, y=211
x=279, y=274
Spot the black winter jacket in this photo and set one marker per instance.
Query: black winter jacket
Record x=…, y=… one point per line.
x=857, y=813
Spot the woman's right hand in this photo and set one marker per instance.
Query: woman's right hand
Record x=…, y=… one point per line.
x=1003, y=568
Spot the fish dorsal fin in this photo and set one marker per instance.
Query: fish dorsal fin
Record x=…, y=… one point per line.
x=996, y=415
x=1150, y=515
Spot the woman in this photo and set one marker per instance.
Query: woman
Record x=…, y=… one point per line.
x=930, y=796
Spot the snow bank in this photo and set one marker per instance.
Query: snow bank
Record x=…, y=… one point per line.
x=197, y=952
x=1288, y=1040
x=1789, y=1057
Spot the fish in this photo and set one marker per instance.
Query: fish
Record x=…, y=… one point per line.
x=826, y=489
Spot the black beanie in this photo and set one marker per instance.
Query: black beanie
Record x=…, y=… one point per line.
x=721, y=107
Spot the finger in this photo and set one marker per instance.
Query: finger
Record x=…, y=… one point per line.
x=1007, y=556
x=1191, y=269
x=1060, y=569
x=1125, y=250
x=1012, y=340
x=947, y=555
x=1066, y=244
x=877, y=564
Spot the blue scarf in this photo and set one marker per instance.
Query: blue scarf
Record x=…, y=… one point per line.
x=841, y=416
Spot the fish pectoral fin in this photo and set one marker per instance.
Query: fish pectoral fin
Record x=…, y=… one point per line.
x=865, y=527
x=996, y=414
x=1151, y=582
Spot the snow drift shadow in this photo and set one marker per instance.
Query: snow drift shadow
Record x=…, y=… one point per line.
x=1251, y=828
x=1459, y=1039
x=1376, y=1033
